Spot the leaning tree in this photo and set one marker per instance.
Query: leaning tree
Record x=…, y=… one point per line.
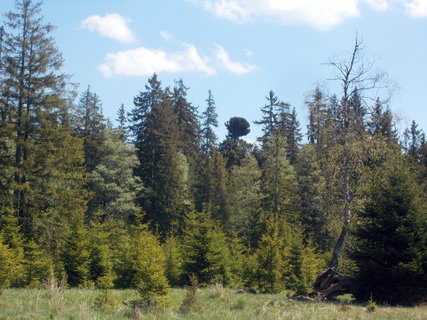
x=360, y=84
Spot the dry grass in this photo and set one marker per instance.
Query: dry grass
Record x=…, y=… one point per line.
x=216, y=303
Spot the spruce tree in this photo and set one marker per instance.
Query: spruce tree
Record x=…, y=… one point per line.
x=269, y=274
x=161, y=167
x=205, y=250
x=187, y=122
x=48, y=176
x=76, y=255
x=269, y=118
x=122, y=120
x=312, y=188
x=210, y=121
x=116, y=190
x=381, y=122
x=37, y=264
x=147, y=267
x=101, y=254
x=413, y=139
x=279, y=187
x=10, y=265
x=318, y=115
x=174, y=260
x=390, y=239
x=244, y=188
x=90, y=126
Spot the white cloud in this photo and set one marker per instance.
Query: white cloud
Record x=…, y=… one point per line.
x=234, y=67
x=111, y=25
x=417, y=8
x=143, y=61
x=166, y=35
x=319, y=14
x=230, y=10
x=378, y=4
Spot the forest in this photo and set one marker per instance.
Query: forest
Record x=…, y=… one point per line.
x=153, y=200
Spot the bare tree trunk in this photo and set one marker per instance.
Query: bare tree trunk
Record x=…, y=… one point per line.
x=353, y=74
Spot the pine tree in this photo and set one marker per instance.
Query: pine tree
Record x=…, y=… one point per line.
x=234, y=149
x=187, y=122
x=381, y=122
x=356, y=113
x=244, y=196
x=205, y=250
x=147, y=267
x=413, y=139
x=90, y=126
x=390, y=239
x=269, y=119
x=269, y=275
x=48, y=177
x=293, y=137
x=217, y=203
x=312, y=189
x=116, y=190
x=174, y=262
x=160, y=169
x=37, y=264
x=101, y=255
x=75, y=254
x=122, y=120
x=278, y=181
x=210, y=121
x=10, y=265
x=318, y=115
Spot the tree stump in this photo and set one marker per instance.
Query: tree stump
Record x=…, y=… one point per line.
x=330, y=283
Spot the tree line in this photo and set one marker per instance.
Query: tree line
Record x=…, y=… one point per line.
x=157, y=199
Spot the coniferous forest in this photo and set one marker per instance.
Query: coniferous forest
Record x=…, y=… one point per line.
x=155, y=200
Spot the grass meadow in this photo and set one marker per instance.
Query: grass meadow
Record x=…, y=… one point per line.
x=215, y=303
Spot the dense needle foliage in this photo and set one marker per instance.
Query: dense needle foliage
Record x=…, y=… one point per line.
x=158, y=200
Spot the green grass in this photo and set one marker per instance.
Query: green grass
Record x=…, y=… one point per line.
x=215, y=303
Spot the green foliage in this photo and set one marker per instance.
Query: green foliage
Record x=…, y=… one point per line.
x=312, y=189
x=390, y=238
x=147, y=266
x=237, y=127
x=10, y=264
x=210, y=121
x=244, y=195
x=234, y=151
x=279, y=187
x=174, y=262
x=191, y=303
x=37, y=264
x=115, y=189
x=101, y=255
x=205, y=250
x=269, y=275
x=106, y=301
x=372, y=305
x=89, y=124
x=75, y=255
x=217, y=200
x=157, y=140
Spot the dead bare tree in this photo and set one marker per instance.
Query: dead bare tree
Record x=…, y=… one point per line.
x=357, y=76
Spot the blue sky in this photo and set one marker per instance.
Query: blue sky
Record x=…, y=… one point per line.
x=240, y=49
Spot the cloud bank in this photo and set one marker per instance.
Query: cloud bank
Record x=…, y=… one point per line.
x=111, y=25
x=318, y=14
x=143, y=61
x=417, y=8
